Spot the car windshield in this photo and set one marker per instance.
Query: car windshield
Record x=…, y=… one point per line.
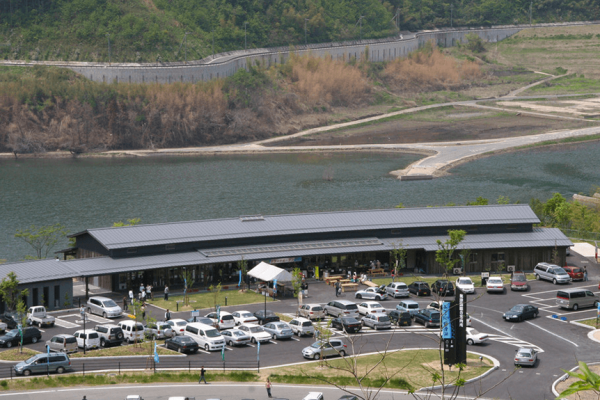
x=465, y=281
x=316, y=345
x=410, y=305
x=247, y=315
x=474, y=332
x=519, y=278
x=256, y=329
x=376, y=305
x=517, y=309
x=212, y=333
x=384, y=318
x=560, y=271
x=351, y=307
x=281, y=326
x=13, y=333
x=524, y=353
x=185, y=339
x=237, y=333
x=349, y=320
x=110, y=303
x=317, y=308
x=181, y=323
x=495, y=280
x=164, y=326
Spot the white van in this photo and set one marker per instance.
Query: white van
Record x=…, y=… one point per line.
x=132, y=330
x=91, y=338
x=207, y=337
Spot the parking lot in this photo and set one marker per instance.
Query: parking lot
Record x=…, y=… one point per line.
x=561, y=344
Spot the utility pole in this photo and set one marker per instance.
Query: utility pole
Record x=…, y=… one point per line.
x=396, y=19
x=360, y=22
x=305, y=36
x=185, y=38
x=530, y=8
x=245, y=36
x=451, y=11
x=108, y=37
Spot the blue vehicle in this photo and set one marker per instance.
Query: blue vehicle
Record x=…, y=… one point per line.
x=410, y=306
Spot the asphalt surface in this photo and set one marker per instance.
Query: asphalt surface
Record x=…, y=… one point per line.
x=562, y=344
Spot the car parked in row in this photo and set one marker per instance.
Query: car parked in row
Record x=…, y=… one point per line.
x=410, y=306
x=377, y=321
x=333, y=347
x=244, y=317
x=43, y=363
x=264, y=317
x=13, y=337
x=207, y=336
x=62, y=343
x=525, y=356
x=38, y=316
x=575, y=273
x=339, y=308
x=346, y=324
x=182, y=344
x=256, y=333
x=576, y=298
x=370, y=307
x=443, y=287
x=495, y=284
x=221, y=320
x=465, y=284
x=429, y=318
x=178, y=325
x=110, y=335
x=397, y=289
x=419, y=288
x=132, y=331
x=158, y=330
x=200, y=320
x=235, y=337
x=311, y=311
x=302, y=326
x=521, y=312
x=87, y=339
x=551, y=272
x=278, y=330
x=103, y=306
x=518, y=281
x=400, y=318
x=370, y=293
x=475, y=337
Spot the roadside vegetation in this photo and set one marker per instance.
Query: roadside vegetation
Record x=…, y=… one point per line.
x=210, y=299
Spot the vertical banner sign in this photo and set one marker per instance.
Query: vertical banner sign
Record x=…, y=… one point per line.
x=219, y=313
x=223, y=353
x=596, y=243
x=274, y=288
x=258, y=351
x=450, y=342
x=461, y=327
x=462, y=261
x=317, y=272
x=155, y=354
x=446, y=321
x=240, y=282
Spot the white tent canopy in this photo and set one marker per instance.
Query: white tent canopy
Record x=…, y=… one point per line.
x=267, y=272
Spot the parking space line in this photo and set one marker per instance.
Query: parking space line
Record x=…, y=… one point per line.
x=204, y=351
x=271, y=341
x=552, y=333
x=293, y=338
x=65, y=324
x=251, y=345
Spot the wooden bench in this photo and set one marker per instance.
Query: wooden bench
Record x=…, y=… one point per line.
x=343, y=281
x=377, y=272
x=349, y=287
x=370, y=284
x=330, y=280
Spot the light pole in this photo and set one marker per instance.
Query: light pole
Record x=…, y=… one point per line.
x=245, y=36
x=305, y=37
x=108, y=37
x=185, y=38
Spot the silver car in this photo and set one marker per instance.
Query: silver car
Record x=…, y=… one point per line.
x=42, y=363
x=278, y=330
x=103, y=306
x=311, y=311
x=63, y=343
x=235, y=337
x=370, y=294
x=159, y=330
x=332, y=348
x=526, y=356
x=302, y=326
x=377, y=321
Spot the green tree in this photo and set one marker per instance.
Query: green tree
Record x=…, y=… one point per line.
x=42, y=239
x=243, y=266
x=474, y=43
x=137, y=313
x=297, y=282
x=130, y=222
x=10, y=292
x=22, y=316
x=216, y=291
x=465, y=256
x=187, y=276
x=445, y=253
x=398, y=254
x=479, y=201
x=587, y=382
x=503, y=200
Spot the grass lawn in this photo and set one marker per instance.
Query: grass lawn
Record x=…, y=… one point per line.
x=589, y=322
x=413, y=369
x=200, y=301
x=408, y=279
x=143, y=349
x=16, y=355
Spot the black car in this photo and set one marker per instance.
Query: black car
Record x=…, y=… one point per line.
x=9, y=320
x=428, y=317
x=346, y=324
x=400, y=318
x=182, y=344
x=521, y=312
x=419, y=288
x=263, y=318
x=443, y=287
x=13, y=337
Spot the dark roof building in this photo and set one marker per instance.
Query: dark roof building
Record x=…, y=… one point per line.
x=123, y=257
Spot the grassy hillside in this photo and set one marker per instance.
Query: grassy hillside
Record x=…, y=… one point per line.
x=150, y=30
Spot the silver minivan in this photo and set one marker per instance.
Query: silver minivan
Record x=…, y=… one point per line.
x=575, y=298
x=103, y=306
x=551, y=272
x=207, y=337
x=302, y=326
x=44, y=362
x=63, y=343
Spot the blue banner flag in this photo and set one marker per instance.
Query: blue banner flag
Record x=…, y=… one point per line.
x=446, y=321
x=274, y=287
x=258, y=351
x=240, y=282
x=155, y=354
x=219, y=313
x=223, y=353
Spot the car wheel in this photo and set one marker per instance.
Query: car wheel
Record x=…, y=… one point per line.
x=102, y=342
x=34, y=339
x=274, y=337
x=520, y=319
x=536, y=314
x=554, y=281
x=426, y=324
x=378, y=298
x=595, y=304
x=342, y=353
x=206, y=347
x=316, y=356
x=27, y=372
x=358, y=296
x=8, y=344
x=179, y=350
x=575, y=307
x=470, y=342
x=60, y=370
x=103, y=315
x=253, y=340
x=537, y=277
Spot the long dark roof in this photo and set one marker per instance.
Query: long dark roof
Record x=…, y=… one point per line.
x=292, y=224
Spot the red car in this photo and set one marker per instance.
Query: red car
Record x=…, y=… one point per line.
x=518, y=281
x=575, y=273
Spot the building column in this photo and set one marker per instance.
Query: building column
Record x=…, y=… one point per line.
x=87, y=289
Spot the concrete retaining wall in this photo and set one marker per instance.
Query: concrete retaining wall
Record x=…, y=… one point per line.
x=226, y=64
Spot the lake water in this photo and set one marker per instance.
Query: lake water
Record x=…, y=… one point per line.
x=91, y=193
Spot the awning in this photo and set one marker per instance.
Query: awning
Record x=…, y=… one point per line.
x=267, y=272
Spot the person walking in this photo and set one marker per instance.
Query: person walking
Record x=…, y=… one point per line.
x=167, y=315
x=143, y=296
x=202, y=378
x=131, y=296
x=268, y=386
x=142, y=288
x=337, y=288
x=143, y=312
x=585, y=278
x=125, y=301
x=149, y=292
x=166, y=292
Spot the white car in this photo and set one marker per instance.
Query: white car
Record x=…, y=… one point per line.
x=370, y=307
x=475, y=337
x=225, y=320
x=495, y=284
x=468, y=320
x=178, y=326
x=370, y=293
x=465, y=284
x=244, y=317
x=256, y=333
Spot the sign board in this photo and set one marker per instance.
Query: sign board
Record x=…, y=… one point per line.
x=485, y=274
x=284, y=260
x=455, y=349
x=195, y=313
x=446, y=320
